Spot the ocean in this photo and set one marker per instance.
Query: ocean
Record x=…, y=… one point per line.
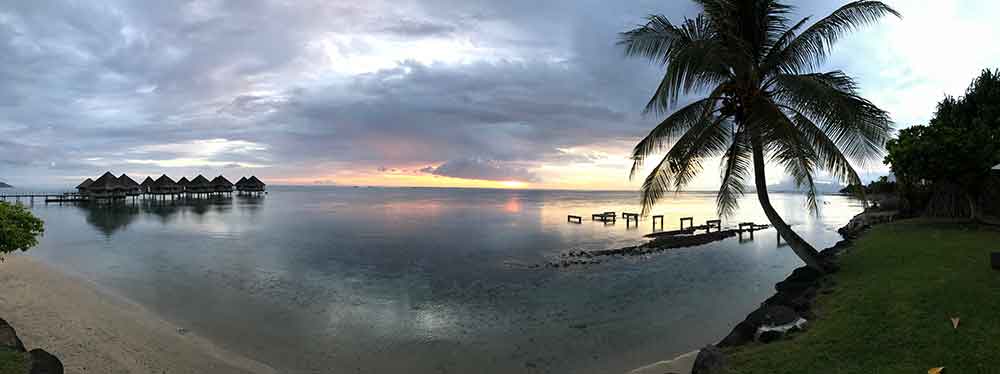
x=420, y=280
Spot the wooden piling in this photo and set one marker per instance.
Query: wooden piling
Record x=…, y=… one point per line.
x=689, y=220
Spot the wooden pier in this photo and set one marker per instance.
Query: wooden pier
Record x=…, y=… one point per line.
x=710, y=226
x=606, y=217
x=654, y=222
x=46, y=197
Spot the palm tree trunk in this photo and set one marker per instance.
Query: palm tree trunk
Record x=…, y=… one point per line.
x=803, y=249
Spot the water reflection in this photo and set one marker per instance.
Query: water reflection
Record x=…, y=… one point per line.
x=419, y=280
x=110, y=218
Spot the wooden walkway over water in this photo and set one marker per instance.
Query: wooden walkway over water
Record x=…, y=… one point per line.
x=46, y=197
x=687, y=226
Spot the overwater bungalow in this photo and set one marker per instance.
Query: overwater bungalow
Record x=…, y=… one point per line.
x=199, y=186
x=164, y=186
x=145, y=185
x=131, y=187
x=82, y=187
x=250, y=186
x=183, y=183
x=221, y=185
x=107, y=187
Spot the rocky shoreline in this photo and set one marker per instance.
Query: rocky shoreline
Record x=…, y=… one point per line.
x=39, y=360
x=790, y=308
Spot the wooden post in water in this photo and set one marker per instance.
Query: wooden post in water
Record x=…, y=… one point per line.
x=750, y=227
x=716, y=223
x=689, y=220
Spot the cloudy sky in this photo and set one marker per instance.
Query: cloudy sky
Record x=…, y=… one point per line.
x=408, y=92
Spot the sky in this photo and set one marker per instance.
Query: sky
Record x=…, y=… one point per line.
x=457, y=93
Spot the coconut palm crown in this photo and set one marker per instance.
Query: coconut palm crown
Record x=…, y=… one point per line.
x=764, y=103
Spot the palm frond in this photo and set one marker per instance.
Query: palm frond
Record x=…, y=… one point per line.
x=694, y=58
x=810, y=49
x=682, y=162
x=858, y=127
x=830, y=158
x=736, y=167
x=664, y=133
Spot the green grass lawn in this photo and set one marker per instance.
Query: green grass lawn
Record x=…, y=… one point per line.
x=890, y=308
x=13, y=362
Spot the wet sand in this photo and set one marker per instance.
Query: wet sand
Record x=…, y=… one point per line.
x=93, y=331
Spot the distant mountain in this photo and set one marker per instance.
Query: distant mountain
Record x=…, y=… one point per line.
x=822, y=187
x=5, y=185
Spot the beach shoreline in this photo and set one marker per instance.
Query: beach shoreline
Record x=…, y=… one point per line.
x=94, y=331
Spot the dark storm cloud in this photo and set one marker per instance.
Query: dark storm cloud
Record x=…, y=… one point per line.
x=208, y=85
x=482, y=169
x=505, y=111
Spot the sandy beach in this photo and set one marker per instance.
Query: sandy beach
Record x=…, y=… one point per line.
x=92, y=331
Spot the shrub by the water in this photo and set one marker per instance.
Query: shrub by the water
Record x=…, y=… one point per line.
x=19, y=229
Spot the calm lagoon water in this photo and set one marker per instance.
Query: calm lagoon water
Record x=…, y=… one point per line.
x=373, y=280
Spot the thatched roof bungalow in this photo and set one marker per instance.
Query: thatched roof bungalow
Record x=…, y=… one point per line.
x=82, y=187
x=106, y=186
x=183, y=183
x=221, y=184
x=145, y=185
x=199, y=184
x=131, y=187
x=250, y=185
x=165, y=186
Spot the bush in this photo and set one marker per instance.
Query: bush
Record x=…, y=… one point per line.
x=19, y=229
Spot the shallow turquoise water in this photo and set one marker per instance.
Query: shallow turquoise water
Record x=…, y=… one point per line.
x=372, y=280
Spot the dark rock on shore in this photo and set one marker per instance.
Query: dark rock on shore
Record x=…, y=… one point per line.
x=742, y=334
x=43, y=362
x=8, y=337
x=709, y=360
x=659, y=244
x=794, y=297
x=800, y=279
x=772, y=316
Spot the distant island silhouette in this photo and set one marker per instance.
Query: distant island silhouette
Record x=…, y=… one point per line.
x=5, y=185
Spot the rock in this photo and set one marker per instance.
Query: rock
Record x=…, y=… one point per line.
x=710, y=360
x=769, y=336
x=43, y=362
x=800, y=279
x=741, y=334
x=803, y=303
x=772, y=315
x=8, y=337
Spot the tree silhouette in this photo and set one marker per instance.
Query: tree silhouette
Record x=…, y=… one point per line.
x=763, y=102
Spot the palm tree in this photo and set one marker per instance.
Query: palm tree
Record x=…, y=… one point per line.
x=764, y=102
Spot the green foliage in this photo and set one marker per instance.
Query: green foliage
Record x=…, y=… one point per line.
x=762, y=100
x=880, y=186
x=890, y=307
x=960, y=144
x=19, y=229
